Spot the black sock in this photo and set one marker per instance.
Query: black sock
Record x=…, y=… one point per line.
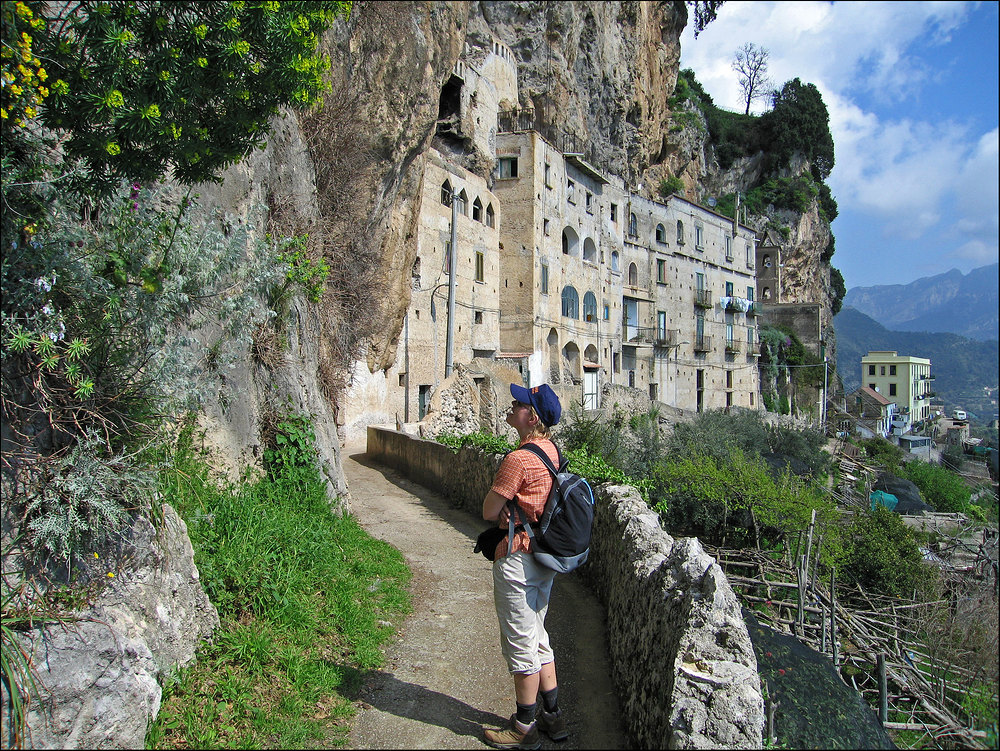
x=526, y=713
x=551, y=700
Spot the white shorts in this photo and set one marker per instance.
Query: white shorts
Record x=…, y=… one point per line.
x=521, y=589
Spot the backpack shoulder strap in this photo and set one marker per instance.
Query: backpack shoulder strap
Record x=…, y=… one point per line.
x=538, y=451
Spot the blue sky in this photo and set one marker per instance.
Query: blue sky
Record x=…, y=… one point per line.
x=912, y=92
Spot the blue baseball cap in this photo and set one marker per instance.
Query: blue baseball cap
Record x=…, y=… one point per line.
x=542, y=398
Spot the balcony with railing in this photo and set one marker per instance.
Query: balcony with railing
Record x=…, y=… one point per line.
x=576, y=150
x=638, y=334
x=753, y=345
x=733, y=345
x=666, y=337
x=703, y=298
x=703, y=344
x=754, y=309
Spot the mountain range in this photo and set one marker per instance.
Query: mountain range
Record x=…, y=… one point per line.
x=964, y=304
x=963, y=367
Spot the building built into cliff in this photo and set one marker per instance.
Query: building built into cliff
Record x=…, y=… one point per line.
x=562, y=271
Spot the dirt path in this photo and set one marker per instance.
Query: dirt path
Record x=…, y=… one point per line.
x=444, y=677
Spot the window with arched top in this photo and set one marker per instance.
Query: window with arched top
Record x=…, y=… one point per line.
x=615, y=261
x=633, y=275
x=633, y=225
x=446, y=193
x=589, y=251
x=570, y=242
x=490, y=216
x=661, y=234
x=570, y=303
x=462, y=199
x=766, y=293
x=477, y=210
x=680, y=232
x=590, y=308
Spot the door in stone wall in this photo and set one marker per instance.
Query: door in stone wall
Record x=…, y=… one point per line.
x=590, y=388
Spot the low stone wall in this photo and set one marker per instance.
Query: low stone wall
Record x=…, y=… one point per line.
x=680, y=651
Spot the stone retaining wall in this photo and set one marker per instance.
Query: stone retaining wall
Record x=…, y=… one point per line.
x=680, y=651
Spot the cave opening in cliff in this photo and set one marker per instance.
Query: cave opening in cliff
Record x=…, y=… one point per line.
x=450, y=108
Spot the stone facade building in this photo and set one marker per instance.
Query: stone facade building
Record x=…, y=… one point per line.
x=562, y=272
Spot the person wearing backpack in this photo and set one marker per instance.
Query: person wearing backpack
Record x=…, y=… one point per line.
x=521, y=585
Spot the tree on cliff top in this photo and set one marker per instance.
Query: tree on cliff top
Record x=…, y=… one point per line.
x=750, y=62
x=800, y=122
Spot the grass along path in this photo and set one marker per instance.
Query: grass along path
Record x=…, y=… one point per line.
x=305, y=598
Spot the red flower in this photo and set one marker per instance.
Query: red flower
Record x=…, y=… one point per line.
x=768, y=603
x=781, y=671
x=770, y=655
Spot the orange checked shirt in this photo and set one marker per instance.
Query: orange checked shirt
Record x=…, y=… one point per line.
x=522, y=477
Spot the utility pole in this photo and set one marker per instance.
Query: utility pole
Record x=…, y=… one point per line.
x=452, y=273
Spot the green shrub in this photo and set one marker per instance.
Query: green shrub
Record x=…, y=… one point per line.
x=702, y=495
x=942, y=489
x=882, y=555
x=138, y=91
x=671, y=186
x=882, y=453
x=492, y=444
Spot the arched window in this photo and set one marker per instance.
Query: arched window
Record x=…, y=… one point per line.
x=570, y=303
x=589, y=308
x=446, y=193
x=766, y=293
x=490, y=217
x=615, y=261
x=477, y=210
x=661, y=234
x=633, y=275
x=462, y=199
x=589, y=251
x=680, y=232
x=633, y=225
x=767, y=260
x=570, y=242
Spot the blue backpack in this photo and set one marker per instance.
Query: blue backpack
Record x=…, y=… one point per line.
x=561, y=537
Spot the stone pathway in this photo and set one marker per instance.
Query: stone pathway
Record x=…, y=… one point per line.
x=444, y=677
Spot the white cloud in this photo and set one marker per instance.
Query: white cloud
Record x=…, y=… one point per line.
x=838, y=46
x=898, y=176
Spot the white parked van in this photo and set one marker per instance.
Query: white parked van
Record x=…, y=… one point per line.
x=959, y=414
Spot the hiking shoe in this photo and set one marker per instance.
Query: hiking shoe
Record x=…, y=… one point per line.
x=515, y=736
x=553, y=724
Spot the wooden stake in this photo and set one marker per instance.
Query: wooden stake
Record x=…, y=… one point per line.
x=883, y=692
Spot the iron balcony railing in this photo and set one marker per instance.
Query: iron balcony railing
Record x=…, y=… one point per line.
x=703, y=298
x=754, y=309
x=733, y=345
x=703, y=344
x=519, y=120
x=638, y=335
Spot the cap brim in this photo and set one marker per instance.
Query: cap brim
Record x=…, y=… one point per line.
x=520, y=393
